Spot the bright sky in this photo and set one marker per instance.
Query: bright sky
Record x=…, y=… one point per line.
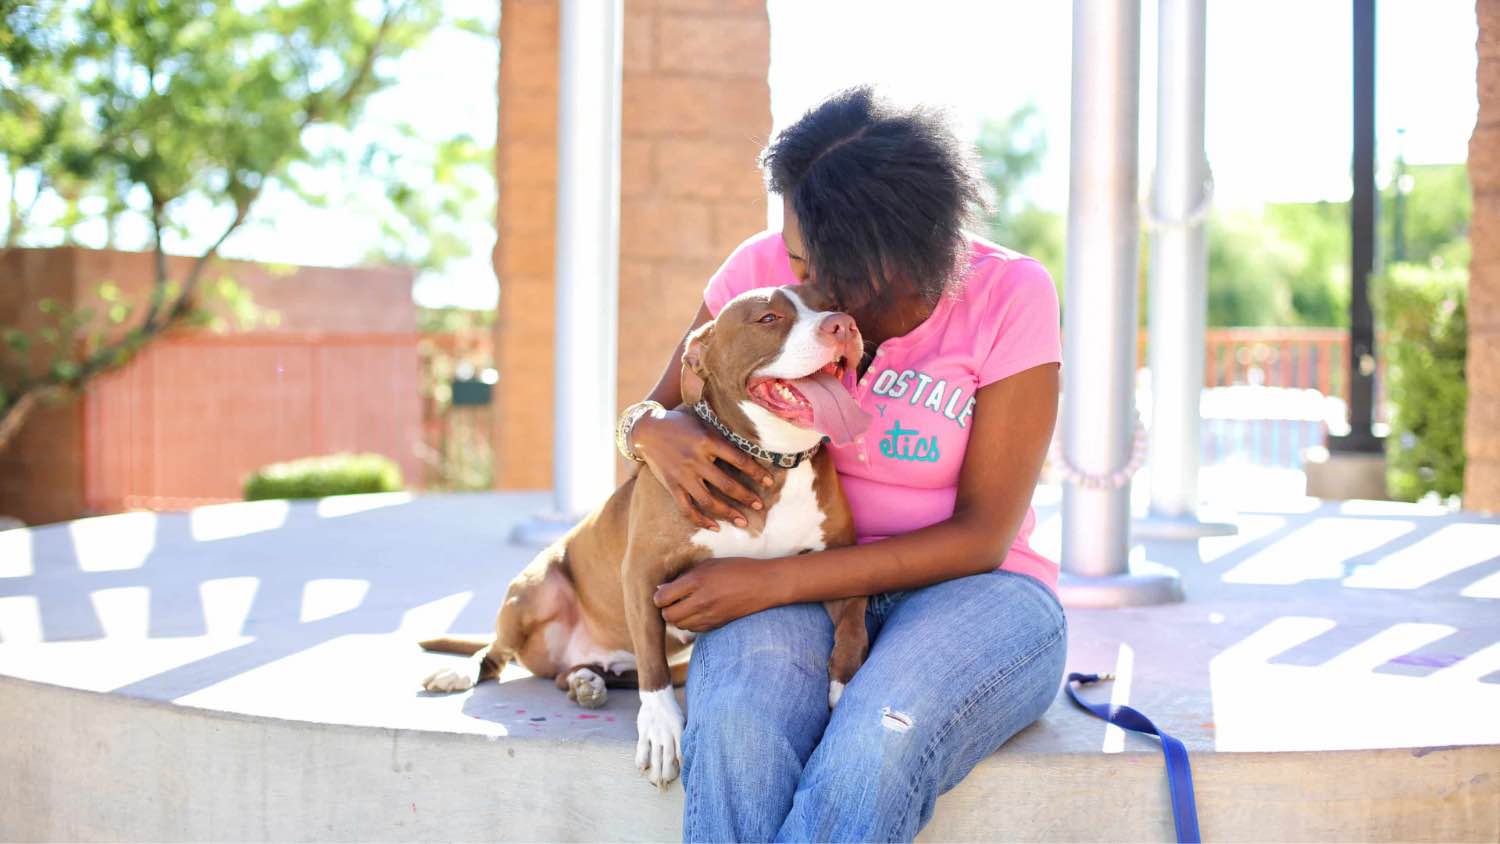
x=1278, y=79
x=1278, y=112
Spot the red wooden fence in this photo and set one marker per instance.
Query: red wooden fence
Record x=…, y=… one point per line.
x=185, y=422
x=193, y=414
x=1308, y=358
x=1299, y=358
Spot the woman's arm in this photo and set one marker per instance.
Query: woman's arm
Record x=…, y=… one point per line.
x=1012, y=427
x=668, y=389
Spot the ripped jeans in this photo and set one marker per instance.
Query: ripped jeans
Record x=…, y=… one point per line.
x=954, y=670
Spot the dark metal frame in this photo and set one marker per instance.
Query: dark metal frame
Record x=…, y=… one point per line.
x=1362, y=210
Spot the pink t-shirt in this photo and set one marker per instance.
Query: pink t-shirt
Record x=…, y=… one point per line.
x=902, y=475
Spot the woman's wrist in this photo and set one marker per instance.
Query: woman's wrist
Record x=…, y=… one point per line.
x=782, y=577
x=626, y=429
x=645, y=428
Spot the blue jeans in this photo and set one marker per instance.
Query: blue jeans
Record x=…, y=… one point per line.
x=954, y=671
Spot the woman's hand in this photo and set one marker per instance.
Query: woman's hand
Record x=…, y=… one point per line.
x=680, y=452
x=716, y=592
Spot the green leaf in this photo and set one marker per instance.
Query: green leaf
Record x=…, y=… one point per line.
x=201, y=105
x=474, y=26
x=1423, y=311
x=65, y=370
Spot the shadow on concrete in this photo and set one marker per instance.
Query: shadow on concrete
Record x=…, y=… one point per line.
x=322, y=603
x=366, y=568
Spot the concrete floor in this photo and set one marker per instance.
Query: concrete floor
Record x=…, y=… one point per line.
x=1320, y=627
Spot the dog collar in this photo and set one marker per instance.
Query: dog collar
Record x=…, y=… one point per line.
x=775, y=458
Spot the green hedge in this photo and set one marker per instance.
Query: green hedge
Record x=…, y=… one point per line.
x=1423, y=311
x=317, y=477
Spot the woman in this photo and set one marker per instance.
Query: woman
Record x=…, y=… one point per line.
x=961, y=377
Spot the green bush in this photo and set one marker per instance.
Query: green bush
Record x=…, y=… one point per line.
x=317, y=477
x=1285, y=265
x=1422, y=309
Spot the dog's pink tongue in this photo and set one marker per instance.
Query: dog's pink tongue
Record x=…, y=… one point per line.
x=835, y=413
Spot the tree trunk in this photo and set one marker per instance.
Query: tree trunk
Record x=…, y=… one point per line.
x=12, y=210
x=14, y=417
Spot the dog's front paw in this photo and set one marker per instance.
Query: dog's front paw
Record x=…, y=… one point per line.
x=659, y=737
x=835, y=691
x=448, y=680
x=587, y=688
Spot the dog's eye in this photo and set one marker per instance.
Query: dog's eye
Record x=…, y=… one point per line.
x=769, y=318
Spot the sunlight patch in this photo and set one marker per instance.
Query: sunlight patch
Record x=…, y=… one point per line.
x=348, y=505
x=1449, y=549
x=1275, y=638
x=15, y=553
x=435, y=616
x=20, y=620
x=1390, y=643
x=124, y=612
x=1474, y=667
x=1251, y=528
x=327, y=597
x=113, y=543
x=1259, y=705
x=1119, y=695
x=226, y=604
x=1316, y=551
x=224, y=521
x=1408, y=509
x=1485, y=587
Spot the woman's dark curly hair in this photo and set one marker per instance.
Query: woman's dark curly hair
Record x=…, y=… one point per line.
x=882, y=193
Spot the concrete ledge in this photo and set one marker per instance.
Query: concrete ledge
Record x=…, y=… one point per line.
x=249, y=673
x=104, y=767
x=96, y=767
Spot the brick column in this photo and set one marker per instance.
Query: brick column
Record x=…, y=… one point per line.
x=526, y=219
x=1482, y=477
x=696, y=109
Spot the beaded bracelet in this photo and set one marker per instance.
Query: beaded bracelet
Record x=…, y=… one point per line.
x=627, y=422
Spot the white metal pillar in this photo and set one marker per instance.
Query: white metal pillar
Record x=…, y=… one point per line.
x=1100, y=321
x=587, y=264
x=1181, y=194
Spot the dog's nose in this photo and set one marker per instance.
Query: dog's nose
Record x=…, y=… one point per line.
x=837, y=327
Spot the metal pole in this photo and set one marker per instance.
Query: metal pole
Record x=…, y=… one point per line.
x=587, y=264
x=1181, y=193
x=1362, y=241
x=1100, y=327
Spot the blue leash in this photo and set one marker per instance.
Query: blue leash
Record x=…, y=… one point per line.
x=1179, y=772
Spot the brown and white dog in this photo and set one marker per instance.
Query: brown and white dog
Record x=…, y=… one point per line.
x=777, y=371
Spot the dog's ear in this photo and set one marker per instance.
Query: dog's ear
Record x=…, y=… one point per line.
x=693, y=371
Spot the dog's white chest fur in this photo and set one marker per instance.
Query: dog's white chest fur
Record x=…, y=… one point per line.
x=793, y=524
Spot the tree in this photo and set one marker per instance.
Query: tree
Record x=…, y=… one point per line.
x=1286, y=265
x=1434, y=214
x=431, y=193
x=158, y=104
x=1011, y=152
x=1423, y=309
